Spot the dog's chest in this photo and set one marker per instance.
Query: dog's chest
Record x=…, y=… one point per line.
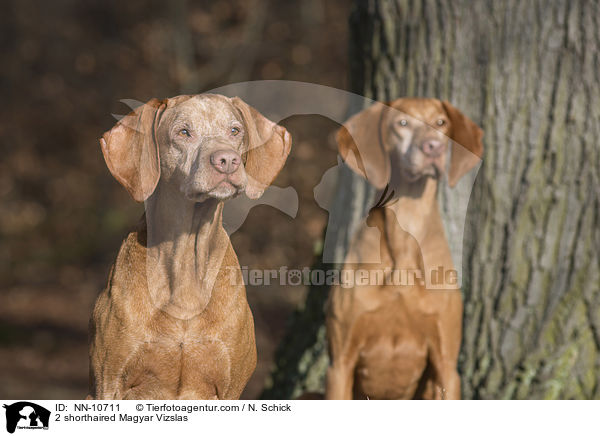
x=181, y=360
x=393, y=358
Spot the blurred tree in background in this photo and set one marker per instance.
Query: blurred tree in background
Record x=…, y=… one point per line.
x=527, y=72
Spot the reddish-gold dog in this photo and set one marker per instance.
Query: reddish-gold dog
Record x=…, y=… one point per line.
x=390, y=340
x=173, y=322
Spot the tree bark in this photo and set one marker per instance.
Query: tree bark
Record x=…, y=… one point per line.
x=528, y=73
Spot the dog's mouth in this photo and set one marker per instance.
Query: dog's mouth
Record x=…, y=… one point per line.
x=228, y=184
x=223, y=189
x=414, y=167
x=412, y=174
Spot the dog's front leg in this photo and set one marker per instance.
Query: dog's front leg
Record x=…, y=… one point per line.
x=340, y=374
x=340, y=381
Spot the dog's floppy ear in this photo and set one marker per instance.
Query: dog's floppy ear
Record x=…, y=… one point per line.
x=131, y=151
x=268, y=147
x=467, y=149
x=360, y=144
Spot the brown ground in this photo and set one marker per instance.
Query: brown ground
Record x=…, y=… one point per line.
x=66, y=65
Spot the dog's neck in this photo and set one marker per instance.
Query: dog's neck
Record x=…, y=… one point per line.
x=185, y=249
x=416, y=204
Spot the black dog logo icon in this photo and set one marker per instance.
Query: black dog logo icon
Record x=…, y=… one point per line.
x=26, y=415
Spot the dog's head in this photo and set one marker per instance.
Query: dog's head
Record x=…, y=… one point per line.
x=207, y=145
x=410, y=136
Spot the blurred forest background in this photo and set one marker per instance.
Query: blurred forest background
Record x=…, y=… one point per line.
x=66, y=65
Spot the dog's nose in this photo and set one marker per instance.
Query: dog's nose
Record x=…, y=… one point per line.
x=432, y=147
x=225, y=161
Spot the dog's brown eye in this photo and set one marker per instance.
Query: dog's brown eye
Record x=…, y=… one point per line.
x=403, y=122
x=440, y=122
x=235, y=131
x=185, y=132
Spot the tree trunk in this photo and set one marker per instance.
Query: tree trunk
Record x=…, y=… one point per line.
x=528, y=73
